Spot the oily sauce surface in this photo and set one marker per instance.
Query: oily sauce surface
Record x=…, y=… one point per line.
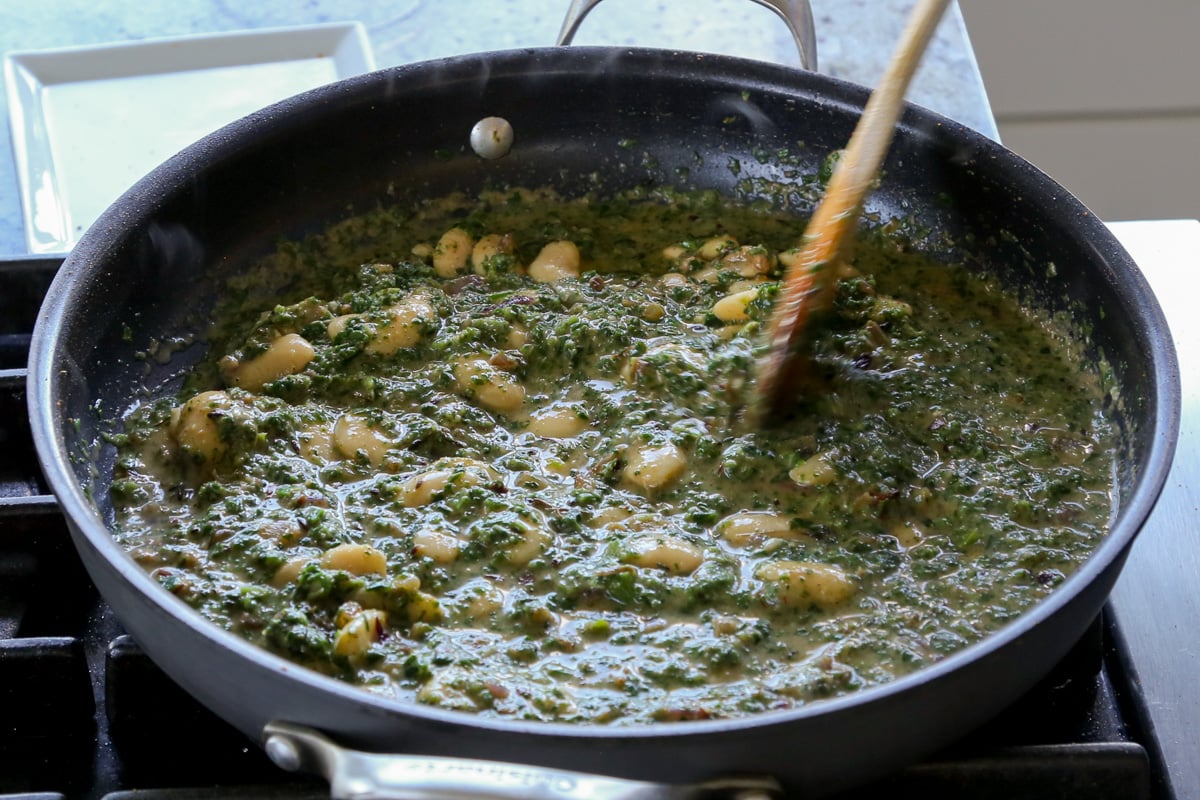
x=490, y=454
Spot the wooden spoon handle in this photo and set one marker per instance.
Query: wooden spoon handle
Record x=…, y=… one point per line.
x=808, y=284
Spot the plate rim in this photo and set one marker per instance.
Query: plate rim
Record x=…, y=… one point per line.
x=43, y=196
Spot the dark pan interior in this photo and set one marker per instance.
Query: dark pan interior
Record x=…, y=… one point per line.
x=589, y=120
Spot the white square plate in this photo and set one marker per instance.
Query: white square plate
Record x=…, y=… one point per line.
x=88, y=122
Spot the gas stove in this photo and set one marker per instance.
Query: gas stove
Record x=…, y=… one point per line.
x=85, y=714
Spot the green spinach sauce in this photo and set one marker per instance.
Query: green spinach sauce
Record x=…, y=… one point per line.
x=491, y=456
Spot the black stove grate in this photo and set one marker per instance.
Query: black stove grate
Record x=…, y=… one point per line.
x=85, y=714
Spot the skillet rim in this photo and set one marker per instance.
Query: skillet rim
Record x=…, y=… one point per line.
x=68, y=291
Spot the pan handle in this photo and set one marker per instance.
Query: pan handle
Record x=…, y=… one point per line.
x=355, y=775
x=796, y=13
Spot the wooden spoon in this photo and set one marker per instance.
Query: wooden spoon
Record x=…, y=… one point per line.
x=810, y=279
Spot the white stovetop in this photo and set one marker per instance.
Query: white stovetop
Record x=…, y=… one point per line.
x=1156, y=601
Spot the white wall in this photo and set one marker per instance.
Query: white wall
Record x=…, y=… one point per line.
x=1101, y=94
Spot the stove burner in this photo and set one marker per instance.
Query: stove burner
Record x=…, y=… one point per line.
x=84, y=713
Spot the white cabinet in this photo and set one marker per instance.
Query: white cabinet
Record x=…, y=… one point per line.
x=1103, y=95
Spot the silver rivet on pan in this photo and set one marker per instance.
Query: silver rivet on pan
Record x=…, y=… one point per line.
x=492, y=137
x=283, y=753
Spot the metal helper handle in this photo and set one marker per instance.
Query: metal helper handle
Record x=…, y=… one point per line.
x=355, y=775
x=796, y=13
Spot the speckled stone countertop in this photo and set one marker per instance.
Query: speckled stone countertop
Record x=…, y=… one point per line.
x=854, y=40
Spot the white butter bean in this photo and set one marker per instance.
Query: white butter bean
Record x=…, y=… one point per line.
x=353, y=435
x=715, y=246
x=338, y=324
x=493, y=244
x=290, y=571
x=476, y=600
x=493, y=388
x=316, y=445
x=556, y=261
x=608, y=516
x=665, y=552
x=814, y=471
x=441, y=547
x=357, y=559
x=748, y=261
x=800, y=583
x=195, y=429
x=287, y=355
x=732, y=307
x=652, y=468
x=451, y=253
x=749, y=527
x=422, y=488
x=402, y=328
x=517, y=336
x=558, y=421
x=363, y=630
x=535, y=539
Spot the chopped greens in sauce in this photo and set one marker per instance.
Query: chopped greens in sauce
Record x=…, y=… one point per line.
x=491, y=454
